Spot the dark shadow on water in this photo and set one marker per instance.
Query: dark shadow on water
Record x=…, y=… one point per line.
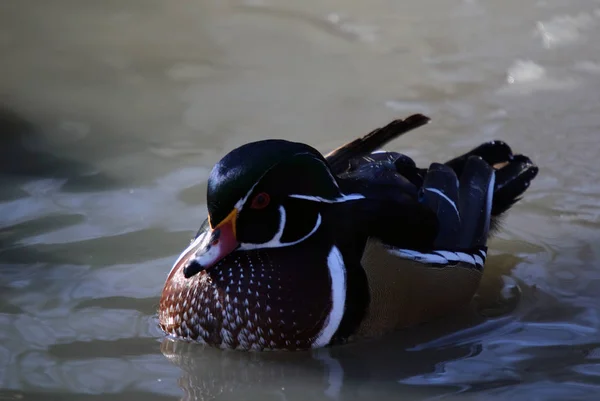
x=37, y=226
x=61, y=396
x=23, y=153
x=25, y=157
x=132, y=247
x=118, y=349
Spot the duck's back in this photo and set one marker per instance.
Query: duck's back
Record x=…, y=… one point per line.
x=408, y=287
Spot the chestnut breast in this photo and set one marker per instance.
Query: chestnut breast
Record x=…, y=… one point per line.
x=257, y=299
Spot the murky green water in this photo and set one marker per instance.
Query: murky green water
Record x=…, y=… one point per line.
x=113, y=112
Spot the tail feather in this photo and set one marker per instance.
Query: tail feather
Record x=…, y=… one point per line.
x=462, y=205
x=463, y=208
x=476, y=190
x=511, y=182
x=440, y=194
x=514, y=174
x=493, y=152
x=468, y=194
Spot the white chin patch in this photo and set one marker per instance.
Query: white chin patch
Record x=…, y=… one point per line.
x=275, y=242
x=199, y=243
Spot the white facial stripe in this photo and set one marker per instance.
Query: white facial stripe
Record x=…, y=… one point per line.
x=315, y=228
x=199, y=242
x=443, y=195
x=275, y=242
x=343, y=198
x=337, y=274
x=242, y=201
x=328, y=172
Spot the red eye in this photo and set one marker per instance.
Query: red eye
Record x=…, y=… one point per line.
x=260, y=201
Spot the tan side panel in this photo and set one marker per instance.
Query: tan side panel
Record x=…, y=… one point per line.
x=405, y=293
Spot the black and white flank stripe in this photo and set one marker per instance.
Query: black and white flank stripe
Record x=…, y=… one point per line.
x=474, y=259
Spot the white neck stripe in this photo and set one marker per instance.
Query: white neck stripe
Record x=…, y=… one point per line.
x=337, y=274
x=275, y=242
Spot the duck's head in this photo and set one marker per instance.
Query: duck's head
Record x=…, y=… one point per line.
x=263, y=194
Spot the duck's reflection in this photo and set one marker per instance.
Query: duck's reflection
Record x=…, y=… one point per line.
x=369, y=369
x=383, y=368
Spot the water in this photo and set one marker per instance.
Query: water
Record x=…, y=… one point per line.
x=113, y=112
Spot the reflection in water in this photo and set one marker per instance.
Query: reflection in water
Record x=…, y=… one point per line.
x=112, y=114
x=325, y=374
x=415, y=362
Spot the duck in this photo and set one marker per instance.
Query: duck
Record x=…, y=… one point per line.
x=302, y=250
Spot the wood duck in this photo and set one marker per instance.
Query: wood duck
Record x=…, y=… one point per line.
x=302, y=250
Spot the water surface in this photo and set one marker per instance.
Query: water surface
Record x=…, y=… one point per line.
x=112, y=114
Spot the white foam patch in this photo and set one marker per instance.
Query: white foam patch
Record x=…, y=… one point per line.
x=524, y=71
x=563, y=30
x=525, y=77
x=364, y=33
